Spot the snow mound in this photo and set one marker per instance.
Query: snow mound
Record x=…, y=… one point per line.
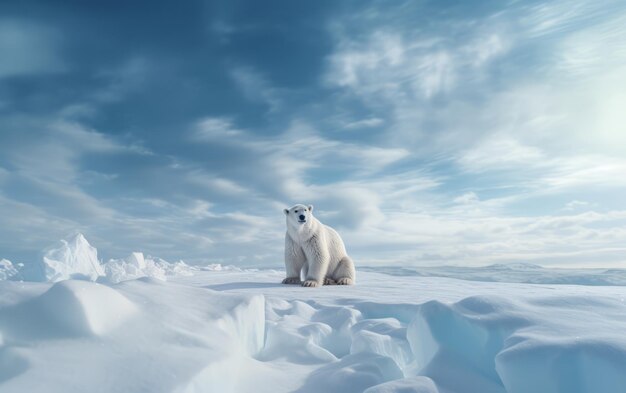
x=237, y=334
x=7, y=270
x=582, y=354
x=68, y=309
x=304, y=334
x=385, y=337
x=73, y=258
x=353, y=373
x=140, y=335
x=246, y=322
x=209, y=335
x=497, y=345
x=12, y=363
x=406, y=385
x=102, y=307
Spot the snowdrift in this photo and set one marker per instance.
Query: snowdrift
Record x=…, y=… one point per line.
x=68, y=309
x=479, y=344
x=542, y=345
x=142, y=335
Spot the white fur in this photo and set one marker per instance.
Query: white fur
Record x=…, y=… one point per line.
x=316, y=250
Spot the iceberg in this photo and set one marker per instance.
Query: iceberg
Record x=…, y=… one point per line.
x=7, y=270
x=73, y=258
x=136, y=266
x=132, y=267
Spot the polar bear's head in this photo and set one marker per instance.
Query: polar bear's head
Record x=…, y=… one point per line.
x=299, y=215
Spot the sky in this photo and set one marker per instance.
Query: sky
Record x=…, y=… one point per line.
x=426, y=132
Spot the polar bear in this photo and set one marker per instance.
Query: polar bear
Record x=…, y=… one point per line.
x=316, y=250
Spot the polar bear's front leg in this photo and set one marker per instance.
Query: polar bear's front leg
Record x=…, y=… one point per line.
x=294, y=260
x=317, y=262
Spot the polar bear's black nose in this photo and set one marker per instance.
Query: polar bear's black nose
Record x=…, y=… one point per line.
x=302, y=217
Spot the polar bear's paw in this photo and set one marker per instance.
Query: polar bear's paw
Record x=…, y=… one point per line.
x=329, y=281
x=311, y=283
x=345, y=281
x=292, y=280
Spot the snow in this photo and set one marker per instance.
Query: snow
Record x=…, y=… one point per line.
x=242, y=331
x=222, y=329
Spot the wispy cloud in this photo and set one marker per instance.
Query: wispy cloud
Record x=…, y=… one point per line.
x=256, y=87
x=408, y=65
x=364, y=123
x=29, y=48
x=217, y=184
x=212, y=128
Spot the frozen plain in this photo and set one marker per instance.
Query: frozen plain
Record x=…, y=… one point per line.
x=150, y=326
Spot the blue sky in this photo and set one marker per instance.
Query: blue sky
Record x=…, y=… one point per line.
x=427, y=133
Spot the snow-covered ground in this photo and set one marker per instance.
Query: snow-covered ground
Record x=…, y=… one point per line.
x=232, y=330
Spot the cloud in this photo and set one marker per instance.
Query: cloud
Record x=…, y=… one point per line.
x=54, y=147
x=256, y=87
x=303, y=143
x=29, y=48
x=287, y=158
x=214, y=128
x=406, y=65
x=401, y=71
x=553, y=130
x=500, y=153
x=439, y=238
x=122, y=79
x=559, y=17
x=584, y=171
x=364, y=123
x=217, y=184
x=585, y=50
x=426, y=133
x=578, y=205
x=26, y=227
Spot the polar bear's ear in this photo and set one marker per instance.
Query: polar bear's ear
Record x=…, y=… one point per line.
x=286, y=211
x=310, y=208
